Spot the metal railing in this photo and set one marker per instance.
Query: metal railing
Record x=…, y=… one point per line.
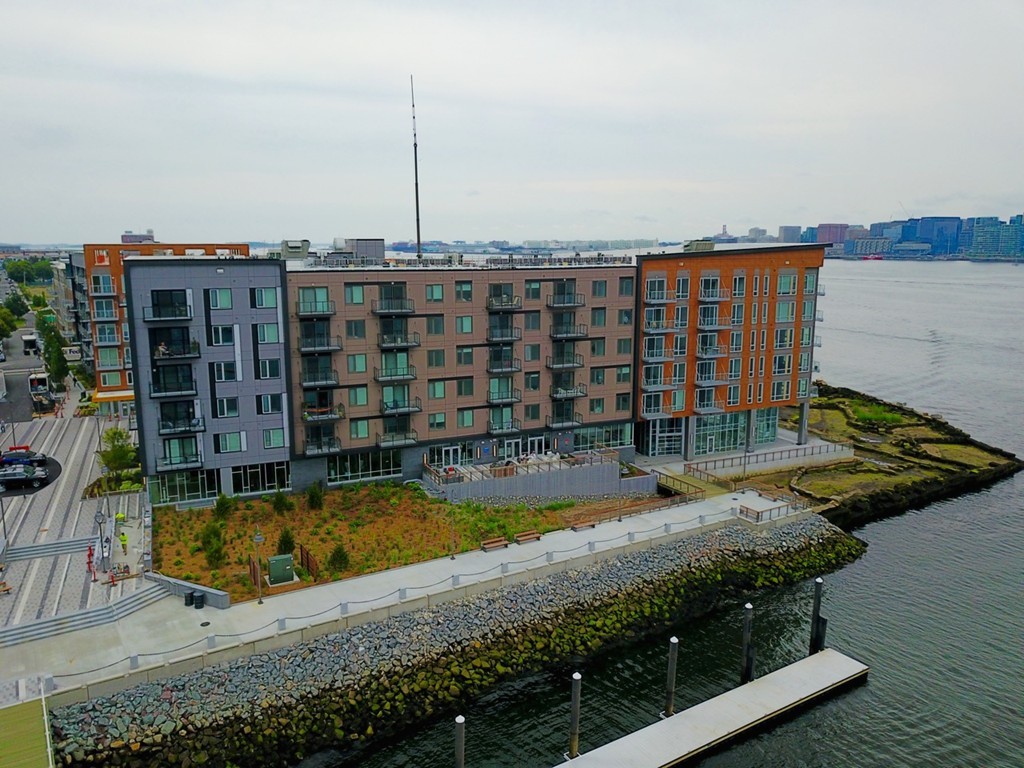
x=180, y=426
x=395, y=407
x=167, y=312
x=504, y=365
x=319, y=377
x=504, y=303
x=574, y=331
x=560, y=300
x=314, y=308
x=568, y=393
x=393, y=306
x=319, y=343
x=398, y=340
x=327, y=413
x=399, y=373
x=505, y=427
x=556, y=362
x=504, y=334
x=322, y=446
x=396, y=439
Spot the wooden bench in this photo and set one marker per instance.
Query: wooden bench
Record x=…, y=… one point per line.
x=497, y=543
x=584, y=524
x=4, y=589
x=525, y=536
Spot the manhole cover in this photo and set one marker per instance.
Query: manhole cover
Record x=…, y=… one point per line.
x=205, y=624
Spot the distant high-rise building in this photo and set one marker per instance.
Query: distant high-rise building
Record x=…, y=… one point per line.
x=809, y=235
x=132, y=237
x=789, y=234
x=856, y=232
x=832, y=233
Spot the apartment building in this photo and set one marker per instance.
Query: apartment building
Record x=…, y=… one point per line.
x=727, y=337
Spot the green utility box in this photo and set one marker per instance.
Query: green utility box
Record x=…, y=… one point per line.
x=280, y=569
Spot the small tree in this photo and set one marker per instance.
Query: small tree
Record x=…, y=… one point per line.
x=338, y=561
x=223, y=506
x=212, y=539
x=16, y=303
x=281, y=503
x=118, y=453
x=285, y=542
x=315, y=496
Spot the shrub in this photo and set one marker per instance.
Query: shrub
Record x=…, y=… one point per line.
x=338, y=561
x=285, y=542
x=281, y=503
x=222, y=507
x=213, y=545
x=315, y=496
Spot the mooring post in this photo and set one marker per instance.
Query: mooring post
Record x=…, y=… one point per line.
x=747, y=672
x=670, y=686
x=574, y=723
x=817, y=630
x=460, y=742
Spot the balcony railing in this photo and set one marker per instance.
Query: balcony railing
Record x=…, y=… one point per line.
x=167, y=312
x=507, y=427
x=562, y=362
x=819, y=316
x=168, y=353
x=578, y=331
x=656, y=355
x=319, y=343
x=817, y=341
x=659, y=297
x=716, y=405
x=108, y=341
x=103, y=315
x=404, y=373
x=564, y=421
x=504, y=303
x=711, y=352
x=568, y=393
x=99, y=289
x=503, y=335
x=319, y=377
x=403, y=340
x=314, y=309
x=565, y=300
x=505, y=396
x=172, y=389
x=326, y=413
x=820, y=290
x=656, y=385
x=656, y=413
x=397, y=407
x=398, y=306
x=322, y=447
x=396, y=439
x=181, y=426
x=714, y=294
x=504, y=365
x=714, y=379
x=659, y=326
x=705, y=323
x=172, y=463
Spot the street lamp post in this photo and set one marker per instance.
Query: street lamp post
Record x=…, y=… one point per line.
x=257, y=540
x=3, y=516
x=99, y=518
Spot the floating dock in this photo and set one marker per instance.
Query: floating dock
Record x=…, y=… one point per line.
x=690, y=735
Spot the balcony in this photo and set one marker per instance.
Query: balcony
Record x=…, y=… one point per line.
x=659, y=326
x=398, y=407
x=103, y=316
x=817, y=341
x=172, y=389
x=311, y=414
x=396, y=439
x=705, y=407
x=564, y=421
x=565, y=300
x=820, y=290
x=312, y=344
x=657, y=385
x=401, y=306
x=167, y=312
x=656, y=355
x=563, y=362
x=713, y=294
x=505, y=396
x=181, y=426
x=504, y=303
x=173, y=463
x=108, y=341
x=405, y=373
x=504, y=365
x=712, y=352
x=816, y=367
x=714, y=323
x=404, y=340
x=568, y=393
x=322, y=447
x=319, y=377
x=659, y=297
x=100, y=289
x=314, y=309
x=812, y=392
x=509, y=427
x=655, y=413
x=714, y=379
x=503, y=335
x=578, y=331
x=819, y=316
x=175, y=353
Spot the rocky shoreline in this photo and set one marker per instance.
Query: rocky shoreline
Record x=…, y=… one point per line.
x=273, y=709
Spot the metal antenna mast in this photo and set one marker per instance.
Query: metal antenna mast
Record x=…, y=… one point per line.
x=416, y=171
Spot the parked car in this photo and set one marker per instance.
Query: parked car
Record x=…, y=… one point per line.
x=23, y=456
x=20, y=476
x=3, y=357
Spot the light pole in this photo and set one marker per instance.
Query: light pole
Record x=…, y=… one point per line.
x=3, y=516
x=257, y=540
x=99, y=518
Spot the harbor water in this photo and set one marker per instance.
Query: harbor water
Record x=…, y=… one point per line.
x=935, y=607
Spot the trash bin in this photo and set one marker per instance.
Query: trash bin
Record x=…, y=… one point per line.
x=199, y=600
x=190, y=598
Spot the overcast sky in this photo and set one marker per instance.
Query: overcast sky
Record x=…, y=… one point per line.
x=252, y=120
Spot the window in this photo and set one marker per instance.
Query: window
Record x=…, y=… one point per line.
x=464, y=417
x=808, y=310
x=597, y=376
x=532, y=289
x=622, y=401
x=267, y=333
x=679, y=345
x=682, y=317
x=435, y=325
x=622, y=374
x=435, y=390
x=735, y=341
x=764, y=339
x=780, y=390
x=531, y=412
x=735, y=368
x=810, y=279
x=760, y=391
x=805, y=337
x=359, y=429
x=733, y=397
x=625, y=286
x=222, y=335
x=220, y=298
x=464, y=324
x=355, y=329
x=786, y=285
x=102, y=258
x=463, y=290
x=353, y=294
x=108, y=358
x=785, y=312
x=783, y=338
x=269, y=404
x=753, y=313
x=229, y=442
x=264, y=298
x=227, y=407
x=273, y=438
x=270, y=369
x=679, y=400
x=435, y=292
x=737, y=314
x=805, y=362
x=464, y=387
x=225, y=371
x=753, y=362
x=599, y=289
x=597, y=405
x=782, y=365
x=531, y=352
x=682, y=287
x=111, y=379
x=463, y=355
x=624, y=346
x=436, y=421
x=802, y=387
x=597, y=347
x=532, y=382
x=357, y=363
x=531, y=321
x=435, y=358
x=598, y=317
x=625, y=317
x=739, y=286
x=357, y=396
x=679, y=373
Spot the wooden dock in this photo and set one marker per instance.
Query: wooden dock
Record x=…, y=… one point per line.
x=690, y=735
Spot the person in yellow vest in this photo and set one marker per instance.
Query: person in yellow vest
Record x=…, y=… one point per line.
x=124, y=542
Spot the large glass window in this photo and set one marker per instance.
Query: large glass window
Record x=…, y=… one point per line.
x=435, y=292
x=463, y=290
x=268, y=333
x=228, y=442
x=354, y=294
x=599, y=289
x=225, y=371
x=220, y=298
x=264, y=298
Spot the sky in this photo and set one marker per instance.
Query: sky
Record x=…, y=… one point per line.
x=227, y=121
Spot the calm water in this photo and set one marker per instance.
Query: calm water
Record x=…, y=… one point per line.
x=935, y=607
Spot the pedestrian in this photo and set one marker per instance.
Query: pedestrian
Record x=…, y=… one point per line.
x=124, y=542
x=3, y=427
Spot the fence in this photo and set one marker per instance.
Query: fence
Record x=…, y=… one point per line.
x=772, y=513
x=309, y=563
x=747, y=460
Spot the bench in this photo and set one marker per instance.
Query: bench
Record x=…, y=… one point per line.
x=525, y=536
x=584, y=524
x=4, y=589
x=497, y=543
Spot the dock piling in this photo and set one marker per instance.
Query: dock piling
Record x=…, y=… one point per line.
x=670, y=684
x=460, y=742
x=574, y=723
x=818, y=622
x=747, y=672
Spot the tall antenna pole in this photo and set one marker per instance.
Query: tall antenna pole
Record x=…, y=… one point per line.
x=416, y=171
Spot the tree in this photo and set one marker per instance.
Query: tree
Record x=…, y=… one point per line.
x=285, y=542
x=41, y=270
x=118, y=454
x=17, y=269
x=338, y=561
x=212, y=538
x=53, y=350
x=8, y=322
x=15, y=302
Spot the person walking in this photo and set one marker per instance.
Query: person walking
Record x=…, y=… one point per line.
x=124, y=542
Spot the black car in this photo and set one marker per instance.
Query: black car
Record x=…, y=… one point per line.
x=23, y=456
x=20, y=476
